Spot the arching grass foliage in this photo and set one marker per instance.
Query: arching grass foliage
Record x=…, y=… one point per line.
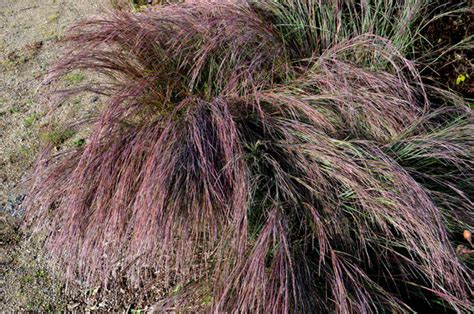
x=276, y=156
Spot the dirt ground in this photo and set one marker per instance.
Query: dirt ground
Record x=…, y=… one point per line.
x=454, y=68
x=29, y=32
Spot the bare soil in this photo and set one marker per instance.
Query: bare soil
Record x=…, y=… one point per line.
x=453, y=69
x=29, y=34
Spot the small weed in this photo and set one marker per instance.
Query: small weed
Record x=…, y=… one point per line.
x=30, y=120
x=50, y=35
x=24, y=152
x=13, y=110
x=176, y=289
x=53, y=18
x=462, y=77
x=27, y=279
x=58, y=136
x=74, y=78
x=207, y=300
x=40, y=273
x=79, y=142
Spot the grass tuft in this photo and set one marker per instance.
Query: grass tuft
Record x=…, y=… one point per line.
x=270, y=156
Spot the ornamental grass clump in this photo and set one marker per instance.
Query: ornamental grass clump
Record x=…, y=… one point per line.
x=269, y=156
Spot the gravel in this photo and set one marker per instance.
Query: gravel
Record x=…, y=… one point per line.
x=14, y=206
